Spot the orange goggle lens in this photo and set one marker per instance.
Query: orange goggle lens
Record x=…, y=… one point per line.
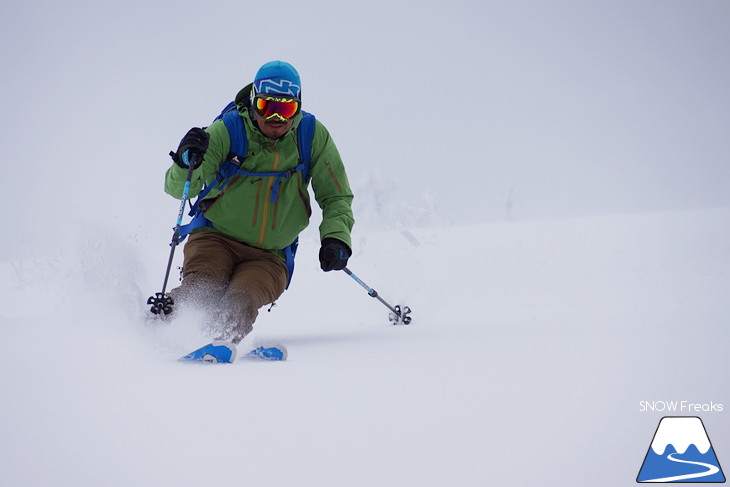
x=271, y=106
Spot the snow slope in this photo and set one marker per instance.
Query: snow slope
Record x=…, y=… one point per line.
x=531, y=346
x=533, y=342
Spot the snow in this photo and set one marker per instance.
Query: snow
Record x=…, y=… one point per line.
x=562, y=239
x=530, y=340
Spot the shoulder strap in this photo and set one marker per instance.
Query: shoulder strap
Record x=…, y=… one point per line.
x=239, y=147
x=237, y=133
x=305, y=135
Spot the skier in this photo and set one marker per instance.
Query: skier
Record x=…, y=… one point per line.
x=236, y=262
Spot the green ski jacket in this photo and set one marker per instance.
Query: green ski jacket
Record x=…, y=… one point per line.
x=243, y=210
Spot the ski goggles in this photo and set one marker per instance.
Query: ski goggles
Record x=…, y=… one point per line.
x=277, y=106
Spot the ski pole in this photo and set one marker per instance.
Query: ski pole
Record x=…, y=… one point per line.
x=397, y=315
x=161, y=303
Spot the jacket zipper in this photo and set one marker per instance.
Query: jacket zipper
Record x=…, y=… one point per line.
x=269, y=187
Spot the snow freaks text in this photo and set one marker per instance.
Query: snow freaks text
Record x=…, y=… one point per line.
x=680, y=407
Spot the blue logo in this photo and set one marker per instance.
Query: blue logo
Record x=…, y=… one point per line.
x=280, y=87
x=681, y=452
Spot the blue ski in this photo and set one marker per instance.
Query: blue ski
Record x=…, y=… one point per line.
x=225, y=352
x=268, y=352
x=216, y=352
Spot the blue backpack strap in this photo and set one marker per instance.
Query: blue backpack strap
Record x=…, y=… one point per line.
x=198, y=221
x=237, y=133
x=305, y=135
x=231, y=107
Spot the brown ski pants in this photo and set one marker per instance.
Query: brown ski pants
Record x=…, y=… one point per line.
x=229, y=279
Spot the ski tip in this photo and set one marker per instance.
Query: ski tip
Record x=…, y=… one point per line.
x=217, y=352
x=269, y=351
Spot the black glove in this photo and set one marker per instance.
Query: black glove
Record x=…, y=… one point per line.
x=333, y=255
x=192, y=148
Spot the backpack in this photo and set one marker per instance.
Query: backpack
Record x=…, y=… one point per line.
x=232, y=167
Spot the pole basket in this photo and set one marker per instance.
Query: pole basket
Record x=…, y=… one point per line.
x=401, y=315
x=161, y=304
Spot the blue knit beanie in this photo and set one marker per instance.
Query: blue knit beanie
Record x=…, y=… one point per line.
x=278, y=78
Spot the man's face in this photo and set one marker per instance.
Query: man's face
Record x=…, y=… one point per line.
x=273, y=128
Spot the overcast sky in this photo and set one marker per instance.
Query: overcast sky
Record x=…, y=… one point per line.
x=471, y=109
